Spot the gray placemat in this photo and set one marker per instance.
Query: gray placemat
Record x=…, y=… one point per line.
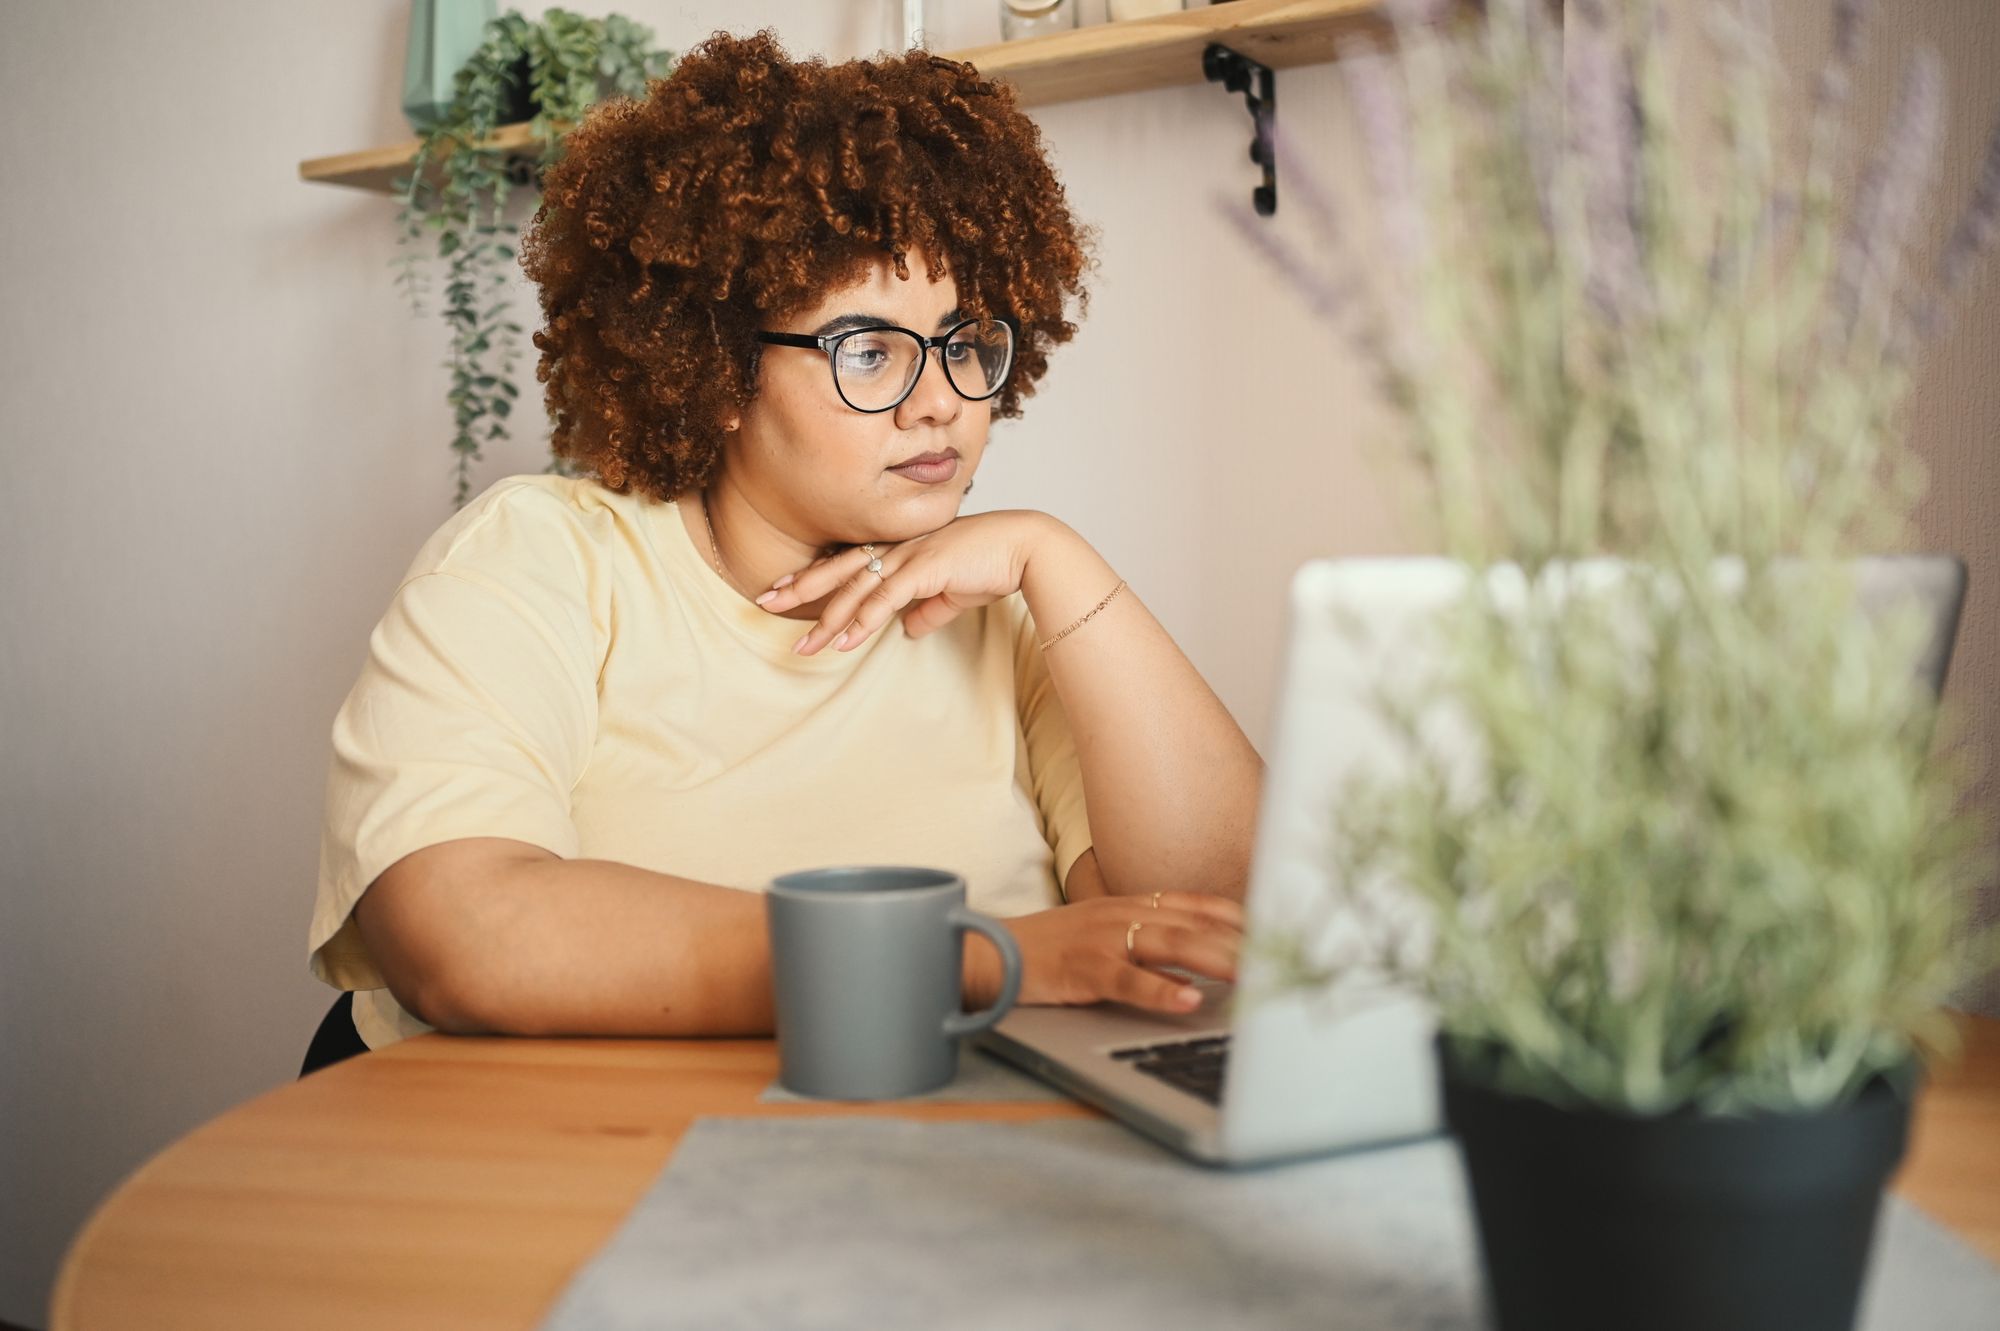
x=889, y=1223
x=981, y=1077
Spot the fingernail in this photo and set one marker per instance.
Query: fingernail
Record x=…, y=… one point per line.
x=800, y=644
x=765, y=597
x=784, y=581
x=841, y=641
x=1188, y=997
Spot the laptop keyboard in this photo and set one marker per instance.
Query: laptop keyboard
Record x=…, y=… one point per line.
x=1195, y=1066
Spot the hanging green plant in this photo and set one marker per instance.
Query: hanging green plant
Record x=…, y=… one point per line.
x=553, y=70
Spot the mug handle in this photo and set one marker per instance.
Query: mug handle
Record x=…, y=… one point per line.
x=971, y=1023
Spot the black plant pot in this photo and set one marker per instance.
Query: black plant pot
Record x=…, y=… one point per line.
x=1592, y=1220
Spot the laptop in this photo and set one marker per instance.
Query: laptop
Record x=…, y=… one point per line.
x=1285, y=1075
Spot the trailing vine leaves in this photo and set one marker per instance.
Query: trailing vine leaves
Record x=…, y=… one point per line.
x=459, y=187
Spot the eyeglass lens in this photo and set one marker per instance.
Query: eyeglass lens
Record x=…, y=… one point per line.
x=875, y=367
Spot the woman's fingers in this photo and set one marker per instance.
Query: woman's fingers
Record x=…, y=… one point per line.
x=859, y=600
x=1203, y=950
x=876, y=605
x=1223, y=910
x=816, y=579
x=1078, y=953
x=1152, y=991
x=930, y=579
x=852, y=613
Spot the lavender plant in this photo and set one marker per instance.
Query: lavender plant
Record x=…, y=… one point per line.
x=1711, y=859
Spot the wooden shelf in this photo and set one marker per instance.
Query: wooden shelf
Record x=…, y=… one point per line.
x=1105, y=59
x=1098, y=61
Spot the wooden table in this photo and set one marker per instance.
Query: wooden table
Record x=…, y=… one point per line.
x=462, y=1182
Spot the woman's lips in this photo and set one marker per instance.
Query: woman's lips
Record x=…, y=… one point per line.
x=929, y=473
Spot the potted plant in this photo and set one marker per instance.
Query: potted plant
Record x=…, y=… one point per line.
x=552, y=70
x=1691, y=929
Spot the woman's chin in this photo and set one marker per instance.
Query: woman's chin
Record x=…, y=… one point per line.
x=908, y=516
x=924, y=507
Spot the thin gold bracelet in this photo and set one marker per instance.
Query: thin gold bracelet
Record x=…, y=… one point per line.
x=1079, y=623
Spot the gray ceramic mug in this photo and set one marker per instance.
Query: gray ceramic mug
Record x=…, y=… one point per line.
x=868, y=965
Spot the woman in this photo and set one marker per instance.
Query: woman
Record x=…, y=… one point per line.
x=784, y=301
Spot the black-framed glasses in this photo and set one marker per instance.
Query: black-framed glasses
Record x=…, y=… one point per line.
x=876, y=367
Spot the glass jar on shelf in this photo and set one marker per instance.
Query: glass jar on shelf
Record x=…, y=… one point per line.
x=1035, y=18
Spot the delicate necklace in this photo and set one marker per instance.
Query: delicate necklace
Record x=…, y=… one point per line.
x=714, y=550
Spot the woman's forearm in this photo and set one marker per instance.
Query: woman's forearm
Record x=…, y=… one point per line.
x=1170, y=779
x=594, y=947
x=551, y=946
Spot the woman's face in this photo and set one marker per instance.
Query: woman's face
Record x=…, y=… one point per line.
x=821, y=470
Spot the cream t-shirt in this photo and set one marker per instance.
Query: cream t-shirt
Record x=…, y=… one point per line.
x=563, y=666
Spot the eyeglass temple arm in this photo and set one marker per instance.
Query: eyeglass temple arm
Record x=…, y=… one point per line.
x=797, y=340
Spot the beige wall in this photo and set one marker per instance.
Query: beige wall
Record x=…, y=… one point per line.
x=227, y=436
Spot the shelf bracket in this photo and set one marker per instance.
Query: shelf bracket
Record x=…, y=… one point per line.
x=1233, y=70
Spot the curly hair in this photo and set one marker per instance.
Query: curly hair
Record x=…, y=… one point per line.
x=745, y=187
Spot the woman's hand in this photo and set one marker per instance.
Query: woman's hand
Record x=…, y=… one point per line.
x=966, y=563
x=1076, y=953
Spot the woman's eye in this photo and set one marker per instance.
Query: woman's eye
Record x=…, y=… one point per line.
x=862, y=357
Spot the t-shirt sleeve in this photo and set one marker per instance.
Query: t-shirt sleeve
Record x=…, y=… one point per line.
x=1056, y=775
x=474, y=715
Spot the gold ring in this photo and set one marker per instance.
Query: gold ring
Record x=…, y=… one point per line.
x=1131, y=934
x=1156, y=899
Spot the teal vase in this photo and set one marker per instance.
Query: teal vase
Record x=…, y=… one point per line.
x=443, y=35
